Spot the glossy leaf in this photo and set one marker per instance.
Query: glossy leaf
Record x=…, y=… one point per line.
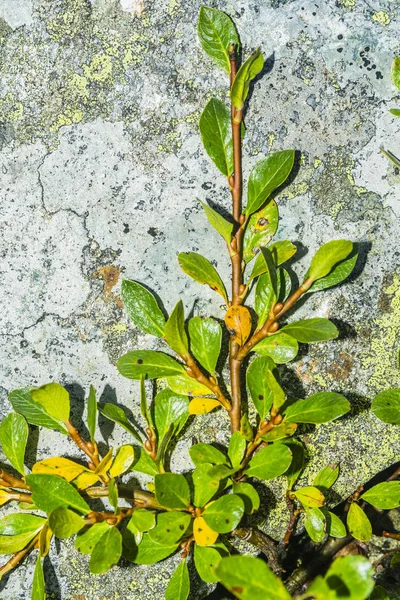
x=170, y=409
x=122, y=461
x=50, y=492
x=319, y=408
x=39, y=584
x=385, y=495
x=170, y=527
x=202, y=271
x=334, y=526
x=206, y=485
x=106, y=552
x=13, y=438
x=266, y=176
x=251, y=67
x=10, y=544
x=395, y=112
x=58, y=465
x=329, y=255
x=314, y=522
x=217, y=33
x=87, y=538
x=279, y=432
x=148, y=362
x=45, y=537
x=20, y=524
x=358, y=523
x=142, y=308
x=339, y=273
x=386, y=406
x=174, y=333
x=172, y=490
x=309, y=497
x=117, y=415
x=92, y=413
x=281, y=347
x=202, y=406
x=184, y=384
x=149, y=552
x=260, y=230
x=105, y=463
x=34, y=412
x=224, y=514
x=205, y=341
x=143, y=519
x=259, y=389
x=178, y=587
x=216, y=134
x=282, y=251
x=143, y=463
x=284, y=284
x=250, y=578
x=326, y=477
x=205, y=453
x=113, y=495
x=220, y=224
x=312, y=330
x=248, y=494
x=203, y=534
x=236, y=449
x=265, y=296
x=206, y=559
x=350, y=577
x=64, y=522
x=271, y=461
x=296, y=466
x=264, y=263
x=238, y=323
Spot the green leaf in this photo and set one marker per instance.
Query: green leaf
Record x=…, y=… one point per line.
x=217, y=33
x=13, y=438
x=328, y=256
x=142, y=308
x=326, y=477
x=205, y=485
x=267, y=175
x=279, y=432
x=386, y=406
x=314, y=522
x=265, y=296
x=395, y=112
x=206, y=559
x=334, y=525
x=202, y=271
x=106, y=552
x=64, y=522
x=339, y=273
x=358, y=523
x=216, y=134
x=250, y=578
x=224, y=514
x=284, y=284
x=281, y=347
x=271, y=461
x=248, y=494
x=297, y=464
x=174, y=333
x=50, y=492
x=264, y=263
x=55, y=400
x=309, y=497
x=184, y=384
x=143, y=519
x=178, y=587
x=312, y=330
x=251, y=67
x=92, y=413
x=379, y=593
x=350, y=577
x=395, y=72
x=20, y=524
x=144, y=408
x=172, y=490
x=282, y=251
x=149, y=552
x=221, y=225
x=122, y=461
x=260, y=392
x=385, y=495
x=319, y=408
x=236, y=449
x=35, y=413
x=117, y=415
x=87, y=539
x=39, y=584
x=148, y=362
x=260, y=230
x=10, y=544
x=170, y=527
x=205, y=341
x=113, y=495
x=170, y=409
x=143, y=462
x=246, y=429
x=205, y=453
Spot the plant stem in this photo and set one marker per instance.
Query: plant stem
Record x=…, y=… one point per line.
x=11, y=481
x=75, y=435
x=144, y=499
x=294, y=515
x=110, y=517
x=264, y=543
x=211, y=383
x=16, y=559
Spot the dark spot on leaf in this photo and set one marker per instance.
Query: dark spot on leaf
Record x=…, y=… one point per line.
x=261, y=222
x=227, y=521
x=181, y=527
x=260, y=397
x=199, y=530
x=140, y=361
x=237, y=589
x=168, y=531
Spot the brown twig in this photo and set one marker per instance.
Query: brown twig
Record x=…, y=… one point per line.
x=87, y=447
x=11, y=481
x=264, y=543
x=194, y=371
x=388, y=534
x=110, y=517
x=294, y=515
x=143, y=499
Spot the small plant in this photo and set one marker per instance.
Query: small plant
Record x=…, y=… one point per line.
x=197, y=512
x=395, y=111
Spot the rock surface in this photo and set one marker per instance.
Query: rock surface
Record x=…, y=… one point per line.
x=101, y=166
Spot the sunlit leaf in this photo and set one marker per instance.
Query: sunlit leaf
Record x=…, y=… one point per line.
x=312, y=330
x=267, y=175
x=34, y=412
x=202, y=271
x=314, y=522
x=122, y=461
x=38, y=584
x=238, y=323
x=148, y=362
x=358, y=524
x=203, y=534
x=172, y=490
x=174, y=332
x=50, y=492
x=205, y=341
x=260, y=392
x=216, y=134
x=142, y=308
x=202, y=406
x=170, y=527
x=271, y=461
x=13, y=438
x=319, y=408
x=106, y=552
x=309, y=497
x=281, y=347
x=117, y=415
x=248, y=494
x=58, y=465
x=217, y=33
x=87, y=538
x=329, y=255
x=247, y=72
x=386, y=406
x=64, y=522
x=92, y=413
x=385, y=495
x=178, y=587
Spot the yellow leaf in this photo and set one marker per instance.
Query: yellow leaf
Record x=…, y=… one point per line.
x=44, y=539
x=4, y=497
x=63, y=467
x=151, y=487
x=123, y=460
x=85, y=480
x=105, y=464
x=203, y=534
x=238, y=323
x=201, y=406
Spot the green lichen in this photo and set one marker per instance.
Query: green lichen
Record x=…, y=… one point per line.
x=381, y=17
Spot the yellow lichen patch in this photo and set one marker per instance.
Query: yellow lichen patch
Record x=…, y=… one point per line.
x=78, y=84
x=350, y=4
x=100, y=68
x=69, y=116
x=11, y=109
x=381, y=17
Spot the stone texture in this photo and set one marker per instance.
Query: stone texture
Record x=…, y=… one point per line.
x=101, y=166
